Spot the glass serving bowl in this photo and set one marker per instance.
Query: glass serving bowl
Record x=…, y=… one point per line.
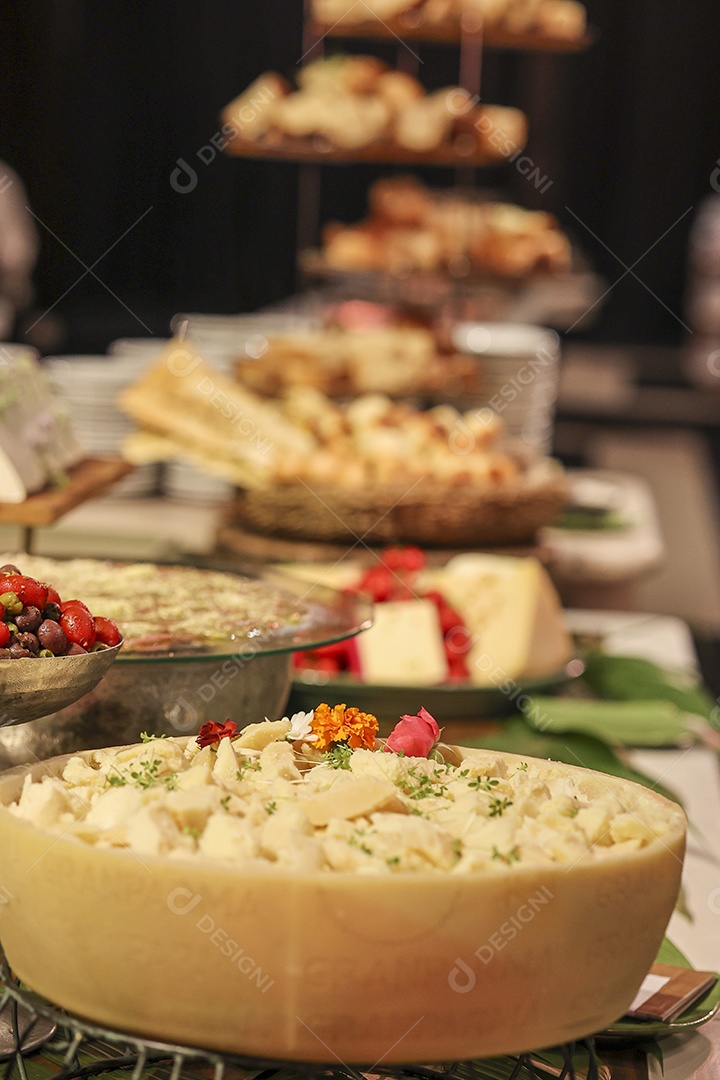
x=175, y=691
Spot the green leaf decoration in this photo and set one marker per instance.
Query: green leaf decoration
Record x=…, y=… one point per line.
x=621, y=723
x=670, y=954
x=631, y=678
x=595, y=519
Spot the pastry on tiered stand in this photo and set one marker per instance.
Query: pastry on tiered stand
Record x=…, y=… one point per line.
x=357, y=103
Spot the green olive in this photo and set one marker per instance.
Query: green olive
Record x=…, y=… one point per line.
x=11, y=602
x=12, y=628
x=45, y=652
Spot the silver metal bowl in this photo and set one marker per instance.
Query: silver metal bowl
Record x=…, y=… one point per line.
x=160, y=695
x=31, y=688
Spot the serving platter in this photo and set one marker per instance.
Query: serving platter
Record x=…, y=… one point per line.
x=465, y=150
x=451, y=701
x=412, y=27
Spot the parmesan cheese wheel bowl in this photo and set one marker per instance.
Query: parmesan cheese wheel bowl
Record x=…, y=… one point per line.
x=281, y=963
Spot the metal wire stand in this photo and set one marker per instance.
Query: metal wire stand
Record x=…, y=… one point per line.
x=76, y=1048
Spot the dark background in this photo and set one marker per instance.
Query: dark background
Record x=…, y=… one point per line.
x=100, y=98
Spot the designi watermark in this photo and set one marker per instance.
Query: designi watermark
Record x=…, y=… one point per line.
x=459, y=102
x=183, y=363
x=184, y=177
x=182, y=901
x=462, y=978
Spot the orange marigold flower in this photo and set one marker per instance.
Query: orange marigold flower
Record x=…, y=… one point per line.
x=342, y=725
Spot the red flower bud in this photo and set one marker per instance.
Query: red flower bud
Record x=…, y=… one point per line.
x=213, y=732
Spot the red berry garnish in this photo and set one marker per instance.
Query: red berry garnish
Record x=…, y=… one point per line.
x=77, y=624
x=458, y=669
x=413, y=558
x=377, y=583
x=394, y=558
x=329, y=664
x=106, y=631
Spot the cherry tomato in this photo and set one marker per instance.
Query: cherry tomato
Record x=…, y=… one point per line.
x=4, y=634
x=413, y=558
x=53, y=596
x=73, y=605
x=78, y=625
x=27, y=589
x=106, y=631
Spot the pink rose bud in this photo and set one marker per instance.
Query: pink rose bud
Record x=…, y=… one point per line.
x=414, y=735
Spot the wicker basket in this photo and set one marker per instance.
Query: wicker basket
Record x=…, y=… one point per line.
x=427, y=513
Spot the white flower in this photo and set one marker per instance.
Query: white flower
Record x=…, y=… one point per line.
x=300, y=727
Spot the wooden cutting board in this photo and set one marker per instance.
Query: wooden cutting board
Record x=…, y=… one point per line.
x=86, y=480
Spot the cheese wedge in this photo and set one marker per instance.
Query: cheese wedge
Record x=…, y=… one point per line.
x=512, y=611
x=404, y=646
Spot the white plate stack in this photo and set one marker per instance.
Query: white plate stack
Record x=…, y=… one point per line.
x=521, y=365
x=90, y=386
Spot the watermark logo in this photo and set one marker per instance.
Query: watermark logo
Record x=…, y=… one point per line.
x=715, y=177
x=462, y=977
x=184, y=177
x=538, y=373
x=183, y=715
x=459, y=102
x=182, y=901
x=184, y=362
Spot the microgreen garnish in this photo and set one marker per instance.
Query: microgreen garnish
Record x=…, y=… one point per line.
x=498, y=805
x=270, y=807
x=145, y=776
x=355, y=841
x=505, y=856
x=423, y=784
x=249, y=765
x=339, y=756
x=144, y=737
x=483, y=783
